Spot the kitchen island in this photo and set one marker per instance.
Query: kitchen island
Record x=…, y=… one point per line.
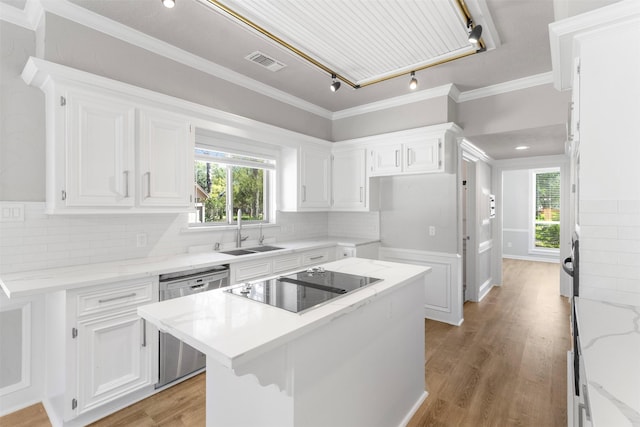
x=357, y=360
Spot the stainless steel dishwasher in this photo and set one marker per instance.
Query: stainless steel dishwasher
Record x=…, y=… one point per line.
x=178, y=359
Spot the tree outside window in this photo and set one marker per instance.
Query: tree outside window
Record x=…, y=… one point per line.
x=225, y=183
x=547, y=210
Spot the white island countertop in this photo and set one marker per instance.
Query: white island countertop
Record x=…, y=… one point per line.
x=610, y=343
x=232, y=330
x=26, y=283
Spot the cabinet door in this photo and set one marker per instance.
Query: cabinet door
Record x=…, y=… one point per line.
x=99, y=151
x=386, y=159
x=315, y=178
x=349, y=180
x=423, y=156
x=114, y=358
x=166, y=160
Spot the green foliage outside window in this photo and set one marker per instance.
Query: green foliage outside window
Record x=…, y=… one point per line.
x=547, y=215
x=217, y=181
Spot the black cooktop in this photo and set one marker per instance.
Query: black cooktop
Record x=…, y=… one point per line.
x=303, y=290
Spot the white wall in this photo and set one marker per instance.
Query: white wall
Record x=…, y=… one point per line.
x=609, y=151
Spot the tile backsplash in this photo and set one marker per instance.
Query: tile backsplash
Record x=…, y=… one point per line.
x=46, y=241
x=610, y=250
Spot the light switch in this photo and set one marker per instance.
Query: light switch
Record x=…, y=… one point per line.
x=432, y=230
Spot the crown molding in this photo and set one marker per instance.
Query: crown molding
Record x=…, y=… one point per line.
x=115, y=29
x=505, y=87
x=562, y=33
x=28, y=18
x=396, y=101
x=473, y=153
x=34, y=11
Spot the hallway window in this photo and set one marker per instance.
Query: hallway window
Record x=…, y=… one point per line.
x=546, y=203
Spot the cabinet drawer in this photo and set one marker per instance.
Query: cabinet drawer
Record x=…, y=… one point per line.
x=286, y=263
x=316, y=257
x=251, y=270
x=125, y=296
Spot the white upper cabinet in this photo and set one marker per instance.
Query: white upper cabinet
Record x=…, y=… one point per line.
x=386, y=159
x=305, y=179
x=416, y=154
x=423, y=156
x=315, y=178
x=99, y=146
x=349, y=191
x=108, y=152
x=166, y=159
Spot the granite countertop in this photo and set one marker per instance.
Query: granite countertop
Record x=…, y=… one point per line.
x=35, y=282
x=232, y=330
x=610, y=343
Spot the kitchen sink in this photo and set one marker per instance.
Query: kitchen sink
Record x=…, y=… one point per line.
x=248, y=251
x=265, y=248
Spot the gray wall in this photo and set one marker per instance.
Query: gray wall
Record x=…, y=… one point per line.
x=423, y=113
x=530, y=108
x=77, y=46
x=22, y=138
x=410, y=204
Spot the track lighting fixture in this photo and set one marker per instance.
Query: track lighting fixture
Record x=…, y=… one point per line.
x=414, y=82
x=474, y=35
x=335, y=85
x=168, y=3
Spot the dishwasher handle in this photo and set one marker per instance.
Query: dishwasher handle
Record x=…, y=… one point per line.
x=195, y=279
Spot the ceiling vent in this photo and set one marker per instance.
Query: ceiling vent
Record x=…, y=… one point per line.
x=265, y=61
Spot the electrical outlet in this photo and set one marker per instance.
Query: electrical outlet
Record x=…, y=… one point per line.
x=432, y=230
x=141, y=240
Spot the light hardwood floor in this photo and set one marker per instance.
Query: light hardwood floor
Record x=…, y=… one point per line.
x=505, y=366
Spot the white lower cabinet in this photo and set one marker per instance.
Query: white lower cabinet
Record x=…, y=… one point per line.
x=113, y=358
x=251, y=270
x=98, y=349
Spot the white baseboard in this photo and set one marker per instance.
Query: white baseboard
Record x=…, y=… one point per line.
x=414, y=409
x=531, y=258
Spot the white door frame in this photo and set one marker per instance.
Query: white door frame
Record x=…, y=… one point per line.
x=499, y=166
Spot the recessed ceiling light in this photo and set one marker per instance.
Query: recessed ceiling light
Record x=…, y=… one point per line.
x=522, y=147
x=169, y=3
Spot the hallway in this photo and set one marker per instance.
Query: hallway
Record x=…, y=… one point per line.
x=506, y=364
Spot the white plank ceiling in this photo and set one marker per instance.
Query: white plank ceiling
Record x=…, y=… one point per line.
x=363, y=41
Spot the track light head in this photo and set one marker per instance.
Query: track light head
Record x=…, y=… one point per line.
x=335, y=85
x=475, y=34
x=414, y=82
x=168, y=3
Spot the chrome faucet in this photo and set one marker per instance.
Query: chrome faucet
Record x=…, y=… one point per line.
x=261, y=239
x=239, y=238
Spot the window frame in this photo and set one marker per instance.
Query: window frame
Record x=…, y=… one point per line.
x=533, y=249
x=269, y=177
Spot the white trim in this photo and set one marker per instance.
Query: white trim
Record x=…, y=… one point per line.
x=485, y=246
x=35, y=9
x=115, y=29
x=505, y=87
x=28, y=18
x=531, y=258
x=422, y=95
x=414, y=409
x=484, y=289
x=25, y=374
x=515, y=230
x=562, y=33
x=38, y=72
x=472, y=153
